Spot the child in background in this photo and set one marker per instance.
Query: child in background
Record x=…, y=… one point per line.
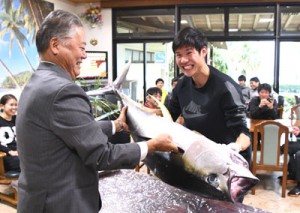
x=156, y=93
x=160, y=84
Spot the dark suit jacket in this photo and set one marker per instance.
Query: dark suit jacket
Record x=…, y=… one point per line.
x=61, y=147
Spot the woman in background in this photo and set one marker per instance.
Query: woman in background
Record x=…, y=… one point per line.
x=8, y=144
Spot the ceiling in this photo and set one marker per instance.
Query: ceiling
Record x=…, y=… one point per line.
x=137, y=3
x=243, y=21
x=247, y=21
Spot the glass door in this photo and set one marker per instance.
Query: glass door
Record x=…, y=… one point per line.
x=159, y=64
x=143, y=73
x=134, y=85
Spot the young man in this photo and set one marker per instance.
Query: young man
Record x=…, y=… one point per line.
x=61, y=147
x=254, y=83
x=160, y=84
x=209, y=101
x=263, y=106
x=244, y=88
x=294, y=163
x=169, y=96
x=153, y=92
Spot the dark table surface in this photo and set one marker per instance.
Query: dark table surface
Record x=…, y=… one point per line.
x=131, y=191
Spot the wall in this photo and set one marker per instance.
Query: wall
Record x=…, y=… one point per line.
x=102, y=33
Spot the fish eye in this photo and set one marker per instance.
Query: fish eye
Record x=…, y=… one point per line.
x=212, y=179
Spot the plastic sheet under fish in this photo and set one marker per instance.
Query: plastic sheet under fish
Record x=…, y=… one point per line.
x=130, y=191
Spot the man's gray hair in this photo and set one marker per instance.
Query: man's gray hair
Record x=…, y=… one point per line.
x=58, y=23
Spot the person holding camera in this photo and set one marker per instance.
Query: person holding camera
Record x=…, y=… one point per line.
x=263, y=106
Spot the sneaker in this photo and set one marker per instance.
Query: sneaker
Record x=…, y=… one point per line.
x=295, y=192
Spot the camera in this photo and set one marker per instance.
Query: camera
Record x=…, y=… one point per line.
x=270, y=99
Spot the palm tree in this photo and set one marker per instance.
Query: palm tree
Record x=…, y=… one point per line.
x=34, y=15
x=12, y=23
x=9, y=74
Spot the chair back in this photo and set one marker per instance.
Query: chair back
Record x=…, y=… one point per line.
x=8, y=180
x=295, y=112
x=271, y=133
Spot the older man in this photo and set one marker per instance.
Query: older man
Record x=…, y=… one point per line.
x=61, y=146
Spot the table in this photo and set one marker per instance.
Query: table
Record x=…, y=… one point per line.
x=286, y=122
x=127, y=191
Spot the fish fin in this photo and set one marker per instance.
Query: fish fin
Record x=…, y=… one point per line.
x=165, y=112
x=117, y=84
x=136, y=104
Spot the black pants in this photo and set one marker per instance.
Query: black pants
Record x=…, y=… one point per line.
x=12, y=163
x=294, y=160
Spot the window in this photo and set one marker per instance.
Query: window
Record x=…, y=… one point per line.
x=135, y=23
x=137, y=56
x=290, y=19
x=208, y=20
x=290, y=77
x=251, y=21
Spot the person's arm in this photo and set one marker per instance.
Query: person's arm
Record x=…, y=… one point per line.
x=243, y=141
x=174, y=107
x=74, y=124
x=120, y=124
x=13, y=153
x=235, y=116
x=4, y=149
x=272, y=109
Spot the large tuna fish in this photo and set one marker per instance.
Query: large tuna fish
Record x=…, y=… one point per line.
x=204, y=167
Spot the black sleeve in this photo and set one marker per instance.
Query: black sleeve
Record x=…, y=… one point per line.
x=4, y=149
x=174, y=106
x=234, y=111
x=254, y=109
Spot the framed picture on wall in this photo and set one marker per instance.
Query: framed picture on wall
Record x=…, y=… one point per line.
x=95, y=66
x=18, y=42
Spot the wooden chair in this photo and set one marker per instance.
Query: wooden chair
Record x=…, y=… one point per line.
x=295, y=112
x=142, y=164
x=280, y=112
x=269, y=157
x=8, y=178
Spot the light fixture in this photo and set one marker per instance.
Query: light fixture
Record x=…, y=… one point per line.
x=266, y=20
x=182, y=21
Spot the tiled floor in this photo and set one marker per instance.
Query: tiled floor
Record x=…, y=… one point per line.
x=7, y=208
x=267, y=197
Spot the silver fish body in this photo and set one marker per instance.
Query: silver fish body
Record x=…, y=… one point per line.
x=211, y=169
x=205, y=167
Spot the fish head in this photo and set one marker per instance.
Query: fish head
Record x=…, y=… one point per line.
x=220, y=167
